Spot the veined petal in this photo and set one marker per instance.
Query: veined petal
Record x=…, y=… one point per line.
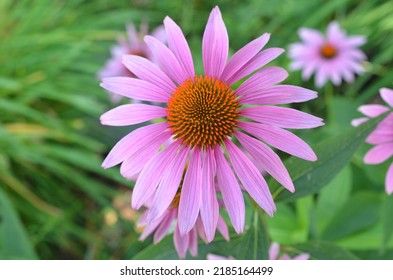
x=169, y=184
x=281, y=117
x=151, y=175
x=148, y=71
x=190, y=198
x=179, y=46
x=264, y=78
x=242, y=56
x=164, y=226
x=135, y=89
x=150, y=227
x=379, y=153
x=223, y=228
x=279, y=94
x=209, y=207
x=387, y=95
x=280, y=139
x=268, y=159
x=251, y=178
x=181, y=242
x=166, y=60
x=132, y=114
x=193, y=242
x=373, y=110
x=215, y=45
x=230, y=190
x=132, y=142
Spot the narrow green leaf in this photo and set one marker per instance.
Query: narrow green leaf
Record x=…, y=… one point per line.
x=387, y=221
x=319, y=250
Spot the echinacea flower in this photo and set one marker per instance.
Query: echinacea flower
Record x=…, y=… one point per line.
x=381, y=136
x=183, y=243
x=335, y=57
x=202, y=115
x=134, y=45
x=274, y=254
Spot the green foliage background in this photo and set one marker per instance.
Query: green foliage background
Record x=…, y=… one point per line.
x=56, y=202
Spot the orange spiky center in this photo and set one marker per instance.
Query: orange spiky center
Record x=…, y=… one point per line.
x=203, y=111
x=328, y=51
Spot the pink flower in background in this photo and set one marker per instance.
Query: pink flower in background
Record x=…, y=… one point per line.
x=188, y=241
x=134, y=45
x=335, y=57
x=201, y=117
x=382, y=136
x=274, y=254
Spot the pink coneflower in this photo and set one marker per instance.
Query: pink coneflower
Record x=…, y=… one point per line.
x=134, y=45
x=274, y=254
x=382, y=136
x=333, y=58
x=183, y=243
x=202, y=115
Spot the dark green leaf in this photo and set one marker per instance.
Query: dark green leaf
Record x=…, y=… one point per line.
x=387, y=220
x=319, y=250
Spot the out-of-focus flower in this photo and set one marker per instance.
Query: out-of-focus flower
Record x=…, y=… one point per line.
x=132, y=45
x=188, y=241
x=274, y=254
x=335, y=57
x=202, y=115
x=381, y=136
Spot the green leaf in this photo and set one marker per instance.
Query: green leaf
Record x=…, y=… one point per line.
x=14, y=243
x=387, y=221
x=333, y=154
x=324, y=251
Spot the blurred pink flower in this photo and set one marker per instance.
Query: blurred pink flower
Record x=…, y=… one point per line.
x=133, y=45
x=336, y=57
x=202, y=115
x=382, y=136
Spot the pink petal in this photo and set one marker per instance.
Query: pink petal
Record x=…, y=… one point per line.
x=214, y=257
x=133, y=164
x=280, y=94
x=223, y=228
x=311, y=36
x=251, y=178
x=334, y=32
x=215, y=45
x=321, y=76
x=132, y=142
x=380, y=136
x=166, y=60
x=132, y=114
x=389, y=180
x=355, y=41
x=179, y=46
x=181, y=243
x=373, y=110
x=135, y=89
x=262, y=79
x=148, y=71
x=190, y=199
x=359, y=121
x=151, y=175
x=242, y=56
x=268, y=159
x=209, y=207
x=169, y=184
x=379, y=154
x=258, y=61
x=387, y=95
x=281, y=117
x=302, y=257
x=280, y=139
x=164, y=226
x=193, y=243
x=150, y=227
x=230, y=190
x=160, y=34
x=273, y=251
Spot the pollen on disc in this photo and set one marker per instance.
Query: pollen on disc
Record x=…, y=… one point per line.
x=203, y=111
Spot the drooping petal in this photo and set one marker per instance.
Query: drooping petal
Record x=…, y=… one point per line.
x=150, y=227
x=132, y=114
x=132, y=142
x=274, y=249
x=215, y=45
x=379, y=153
x=242, y=56
x=164, y=226
x=209, y=207
x=302, y=257
x=311, y=36
x=135, y=89
x=373, y=110
x=280, y=139
x=166, y=60
x=169, y=184
x=151, y=175
x=359, y=121
x=190, y=198
x=268, y=159
x=282, y=117
x=389, y=180
x=387, y=95
x=223, y=228
x=251, y=178
x=181, y=242
x=179, y=46
x=193, y=242
x=230, y=190
x=148, y=71
x=279, y=94
x=380, y=136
